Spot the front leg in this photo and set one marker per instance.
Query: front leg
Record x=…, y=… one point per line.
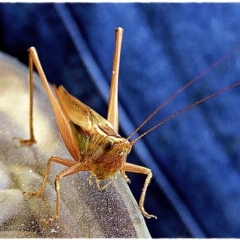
x=128, y=167
x=62, y=161
x=74, y=167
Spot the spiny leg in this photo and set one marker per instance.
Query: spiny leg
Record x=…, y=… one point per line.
x=69, y=171
x=139, y=169
x=62, y=161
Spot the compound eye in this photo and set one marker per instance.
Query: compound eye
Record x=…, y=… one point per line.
x=108, y=146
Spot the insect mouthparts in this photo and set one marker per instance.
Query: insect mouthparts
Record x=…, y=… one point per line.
x=123, y=153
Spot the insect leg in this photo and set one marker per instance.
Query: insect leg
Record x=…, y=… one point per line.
x=125, y=176
x=62, y=161
x=113, y=95
x=31, y=139
x=128, y=167
x=61, y=119
x=69, y=171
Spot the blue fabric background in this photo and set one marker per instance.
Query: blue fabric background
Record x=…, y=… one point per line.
x=195, y=158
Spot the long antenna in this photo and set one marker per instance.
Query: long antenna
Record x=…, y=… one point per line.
x=185, y=109
x=184, y=87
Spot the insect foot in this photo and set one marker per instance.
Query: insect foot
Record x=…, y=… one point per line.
x=145, y=214
x=125, y=177
x=50, y=220
x=27, y=142
x=28, y=195
x=90, y=179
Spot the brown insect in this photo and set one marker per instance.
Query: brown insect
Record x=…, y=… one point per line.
x=92, y=140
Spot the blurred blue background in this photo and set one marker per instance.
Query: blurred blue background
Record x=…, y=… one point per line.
x=195, y=158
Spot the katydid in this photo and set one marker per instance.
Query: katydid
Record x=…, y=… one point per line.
x=92, y=141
